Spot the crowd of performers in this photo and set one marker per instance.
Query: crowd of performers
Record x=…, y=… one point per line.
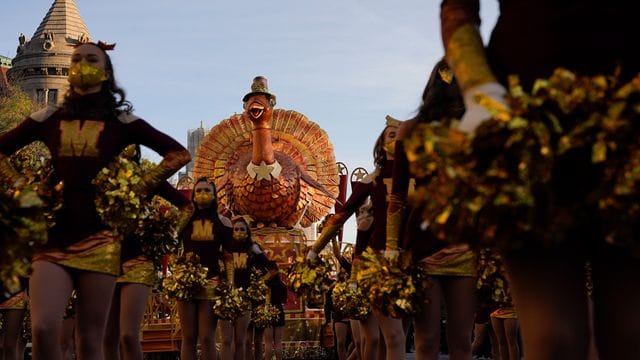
x=508, y=200
x=111, y=271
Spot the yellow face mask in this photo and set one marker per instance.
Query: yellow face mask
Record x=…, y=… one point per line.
x=84, y=76
x=240, y=236
x=390, y=147
x=203, y=199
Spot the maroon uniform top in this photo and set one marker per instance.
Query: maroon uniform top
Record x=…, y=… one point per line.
x=81, y=145
x=377, y=186
x=533, y=37
x=204, y=235
x=421, y=243
x=244, y=257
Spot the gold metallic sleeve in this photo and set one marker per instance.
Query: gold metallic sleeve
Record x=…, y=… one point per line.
x=329, y=231
x=228, y=267
x=184, y=215
x=462, y=42
x=171, y=163
x=395, y=215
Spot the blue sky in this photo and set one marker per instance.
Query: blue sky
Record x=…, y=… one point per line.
x=345, y=64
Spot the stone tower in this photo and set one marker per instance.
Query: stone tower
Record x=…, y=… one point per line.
x=41, y=65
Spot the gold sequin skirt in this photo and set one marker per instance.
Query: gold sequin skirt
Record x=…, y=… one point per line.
x=454, y=260
x=208, y=290
x=505, y=313
x=19, y=301
x=99, y=253
x=138, y=270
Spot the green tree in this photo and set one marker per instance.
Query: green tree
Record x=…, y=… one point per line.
x=15, y=105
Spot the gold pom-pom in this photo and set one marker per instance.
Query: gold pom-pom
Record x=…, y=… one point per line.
x=491, y=281
x=117, y=204
x=510, y=183
x=257, y=290
x=187, y=276
x=156, y=233
x=265, y=315
x=350, y=302
x=229, y=303
x=307, y=281
x=27, y=212
x=394, y=287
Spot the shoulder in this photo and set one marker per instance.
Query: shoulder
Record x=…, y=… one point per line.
x=44, y=114
x=128, y=118
x=225, y=220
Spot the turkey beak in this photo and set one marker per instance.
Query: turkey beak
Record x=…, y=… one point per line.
x=256, y=110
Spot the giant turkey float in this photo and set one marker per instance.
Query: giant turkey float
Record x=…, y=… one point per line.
x=278, y=167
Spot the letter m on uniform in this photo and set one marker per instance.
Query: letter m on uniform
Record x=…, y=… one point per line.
x=80, y=139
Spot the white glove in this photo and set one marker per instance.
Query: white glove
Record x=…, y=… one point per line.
x=312, y=257
x=391, y=255
x=475, y=114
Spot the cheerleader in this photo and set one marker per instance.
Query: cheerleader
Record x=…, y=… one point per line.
x=273, y=334
x=547, y=282
x=203, y=235
x=90, y=129
x=377, y=186
x=133, y=288
x=242, y=255
x=450, y=268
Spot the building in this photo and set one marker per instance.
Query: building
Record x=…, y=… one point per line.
x=194, y=138
x=41, y=65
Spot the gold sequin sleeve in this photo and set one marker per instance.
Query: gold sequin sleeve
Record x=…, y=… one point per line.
x=463, y=45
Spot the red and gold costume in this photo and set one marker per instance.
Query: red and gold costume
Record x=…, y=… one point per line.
x=204, y=235
x=404, y=227
x=242, y=257
x=376, y=187
x=83, y=139
x=136, y=268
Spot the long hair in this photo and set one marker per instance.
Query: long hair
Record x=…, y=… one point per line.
x=379, y=155
x=114, y=96
x=440, y=99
